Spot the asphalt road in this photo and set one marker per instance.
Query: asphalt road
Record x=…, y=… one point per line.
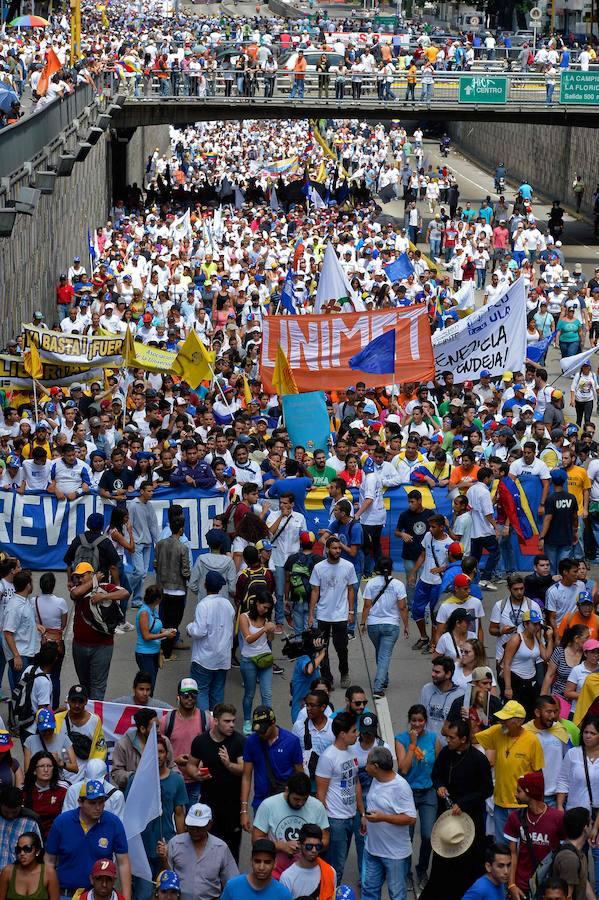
x=409, y=670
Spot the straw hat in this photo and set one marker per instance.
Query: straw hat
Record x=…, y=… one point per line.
x=452, y=835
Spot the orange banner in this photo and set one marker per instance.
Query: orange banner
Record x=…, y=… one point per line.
x=319, y=347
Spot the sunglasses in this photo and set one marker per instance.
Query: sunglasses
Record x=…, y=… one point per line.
x=24, y=848
x=360, y=702
x=317, y=847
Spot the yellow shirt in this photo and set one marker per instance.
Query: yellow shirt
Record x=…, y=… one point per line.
x=578, y=481
x=513, y=757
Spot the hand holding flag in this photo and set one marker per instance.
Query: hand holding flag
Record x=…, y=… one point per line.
x=378, y=357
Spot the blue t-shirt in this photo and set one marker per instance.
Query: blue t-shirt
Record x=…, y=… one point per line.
x=240, y=889
x=419, y=776
x=450, y=573
x=155, y=627
x=351, y=533
x=525, y=191
x=300, y=683
x=284, y=755
x=77, y=850
x=296, y=486
x=484, y=889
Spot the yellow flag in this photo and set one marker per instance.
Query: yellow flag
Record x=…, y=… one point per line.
x=321, y=175
x=128, y=348
x=193, y=362
x=32, y=362
x=247, y=394
x=282, y=377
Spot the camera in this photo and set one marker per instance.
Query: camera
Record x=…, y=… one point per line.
x=308, y=643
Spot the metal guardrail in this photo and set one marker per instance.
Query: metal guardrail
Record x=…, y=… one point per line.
x=522, y=89
x=27, y=137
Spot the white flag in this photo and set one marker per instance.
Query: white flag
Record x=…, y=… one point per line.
x=464, y=297
x=142, y=806
x=571, y=364
x=315, y=198
x=181, y=227
x=217, y=223
x=333, y=283
x=274, y=200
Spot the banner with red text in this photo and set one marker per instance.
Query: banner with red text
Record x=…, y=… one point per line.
x=117, y=719
x=319, y=347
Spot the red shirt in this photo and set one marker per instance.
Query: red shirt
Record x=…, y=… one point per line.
x=47, y=805
x=82, y=632
x=545, y=834
x=65, y=294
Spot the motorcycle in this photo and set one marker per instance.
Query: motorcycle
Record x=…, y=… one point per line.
x=500, y=185
x=444, y=145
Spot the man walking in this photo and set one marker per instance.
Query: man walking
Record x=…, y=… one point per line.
x=173, y=568
x=332, y=604
x=145, y=535
x=212, y=633
x=485, y=530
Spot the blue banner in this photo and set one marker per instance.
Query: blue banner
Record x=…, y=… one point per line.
x=37, y=528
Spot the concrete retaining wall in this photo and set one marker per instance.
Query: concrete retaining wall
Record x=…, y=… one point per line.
x=143, y=142
x=44, y=244
x=546, y=156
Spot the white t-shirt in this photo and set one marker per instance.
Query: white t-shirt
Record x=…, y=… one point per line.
x=506, y=612
x=372, y=489
x=479, y=498
x=446, y=645
x=473, y=607
x=341, y=767
x=50, y=609
x=536, y=467
x=302, y=882
x=383, y=839
x=462, y=528
x=37, y=478
x=435, y=555
x=41, y=694
x=578, y=675
x=288, y=540
x=385, y=611
x=561, y=599
x=333, y=580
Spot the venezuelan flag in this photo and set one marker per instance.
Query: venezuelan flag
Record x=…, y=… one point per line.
x=510, y=494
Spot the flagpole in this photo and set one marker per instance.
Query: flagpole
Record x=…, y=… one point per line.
x=35, y=412
x=215, y=381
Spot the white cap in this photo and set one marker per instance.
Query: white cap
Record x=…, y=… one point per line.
x=198, y=815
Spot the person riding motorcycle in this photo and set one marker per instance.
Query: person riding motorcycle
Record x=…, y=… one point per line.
x=500, y=173
x=556, y=220
x=444, y=144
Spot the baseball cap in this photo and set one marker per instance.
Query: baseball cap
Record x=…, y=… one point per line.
x=103, y=867
x=83, y=568
x=507, y=376
x=45, y=720
x=262, y=719
x=370, y=408
x=214, y=581
x=307, y=537
x=461, y=580
x=517, y=387
x=77, y=692
x=95, y=522
x=533, y=784
x=215, y=537
x=532, y=615
x=556, y=395
x=455, y=549
x=188, y=686
x=484, y=373
x=264, y=545
x=168, y=881
x=559, y=476
x=369, y=724
x=511, y=710
x=345, y=892
x=76, y=386
x=92, y=790
x=481, y=672
x=584, y=597
x=199, y=814
x=5, y=742
x=12, y=461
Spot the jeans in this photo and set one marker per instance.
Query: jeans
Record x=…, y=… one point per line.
x=377, y=869
x=556, y=554
x=252, y=676
x=141, y=565
x=298, y=88
x=569, y=348
x=280, y=595
x=425, y=801
x=435, y=246
x=426, y=93
x=506, y=551
x=211, y=685
x=150, y=663
x=550, y=89
x=300, y=617
x=340, y=835
x=194, y=789
x=410, y=588
x=500, y=815
x=338, y=631
x=384, y=638
x=481, y=277
x=490, y=544
x=14, y=676
x=92, y=665
x=124, y=582
x=594, y=520
x=172, y=607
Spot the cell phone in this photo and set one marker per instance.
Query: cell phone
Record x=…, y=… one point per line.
x=204, y=770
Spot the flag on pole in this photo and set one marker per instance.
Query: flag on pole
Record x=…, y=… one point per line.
x=239, y=198
x=377, y=357
x=32, y=362
x=142, y=806
x=288, y=298
x=307, y=420
x=537, y=349
x=298, y=252
x=571, y=364
x=274, y=200
x=399, y=268
x=333, y=283
x=181, y=227
x=247, y=394
x=464, y=297
x=282, y=377
x=53, y=65
x=314, y=197
x=93, y=249
x=321, y=175
x=193, y=362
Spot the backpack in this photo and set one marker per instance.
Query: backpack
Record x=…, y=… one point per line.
x=170, y=723
x=105, y=616
x=299, y=578
x=530, y=58
x=257, y=583
x=88, y=552
x=229, y=518
x=21, y=713
x=545, y=868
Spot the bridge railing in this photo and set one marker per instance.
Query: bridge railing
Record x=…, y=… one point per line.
x=522, y=88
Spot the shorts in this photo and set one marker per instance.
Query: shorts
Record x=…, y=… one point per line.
x=424, y=595
x=594, y=330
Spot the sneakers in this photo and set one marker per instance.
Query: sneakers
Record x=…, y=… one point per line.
x=426, y=649
x=487, y=586
x=378, y=695
x=234, y=663
x=277, y=670
x=247, y=727
x=279, y=629
x=120, y=629
x=351, y=635
x=421, y=882
x=420, y=643
x=136, y=604
x=345, y=680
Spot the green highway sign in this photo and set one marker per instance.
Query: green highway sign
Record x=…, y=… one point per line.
x=579, y=88
x=483, y=89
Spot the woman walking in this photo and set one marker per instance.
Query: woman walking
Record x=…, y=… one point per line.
x=384, y=606
x=150, y=633
x=256, y=633
x=519, y=661
x=28, y=878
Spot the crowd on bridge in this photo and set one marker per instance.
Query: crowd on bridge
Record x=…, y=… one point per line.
x=496, y=767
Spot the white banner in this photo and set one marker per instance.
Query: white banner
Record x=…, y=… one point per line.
x=492, y=338
x=116, y=720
